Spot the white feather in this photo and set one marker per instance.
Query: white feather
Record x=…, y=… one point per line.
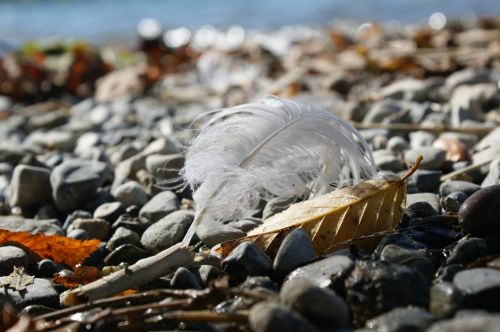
x=275, y=147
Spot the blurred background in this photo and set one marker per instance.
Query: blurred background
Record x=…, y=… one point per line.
x=115, y=21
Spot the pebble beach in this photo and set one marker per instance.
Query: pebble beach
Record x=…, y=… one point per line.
x=92, y=140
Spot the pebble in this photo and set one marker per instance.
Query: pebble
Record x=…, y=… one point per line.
x=431, y=199
x=96, y=228
x=421, y=139
x=420, y=210
x=11, y=256
x=375, y=287
x=247, y=259
x=480, y=213
x=41, y=292
x=327, y=272
x=207, y=273
x=245, y=225
x=19, y=224
x=158, y=207
x=433, y=158
x=184, y=279
x=213, y=232
x=413, y=259
x=467, y=250
x=407, y=89
x=167, y=231
x=445, y=299
x=131, y=193
x=453, y=201
x=126, y=253
x=74, y=182
x=272, y=317
x=30, y=186
x=493, y=176
x=109, y=211
x=320, y=306
x=78, y=234
x=480, y=288
x=426, y=181
x=389, y=163
x=468, y=323
x=466, y=76
x=277, y=205
x=259, y=283
x=295, y=250
x=47, y=268
x=121, y=236
x=468, y=188
x=402, y=319
x=397, y=144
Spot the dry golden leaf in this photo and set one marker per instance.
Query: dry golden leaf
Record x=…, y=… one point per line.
x=336, y=219
x=18, y=279
x=60, y=249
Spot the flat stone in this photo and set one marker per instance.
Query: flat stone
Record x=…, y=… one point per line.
x=469, y=323
x=30, y=186
x=480, y=288
x=126, y=253
x=11, y=256
x=426, y=181
x=96, y=228
x=431, y=199
x=468, y=188
x=19, y=224
x=40, y=292
x=109, y=211
x=213, y=232
x=410, y=258
x=167, y=231
x=158, y=207
x=389, y=163
x=75, y=182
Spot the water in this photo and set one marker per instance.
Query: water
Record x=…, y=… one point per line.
x=103, y=21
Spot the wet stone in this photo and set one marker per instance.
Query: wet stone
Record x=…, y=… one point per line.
x=318, y=305
x=247, y=259
x=402, y=319
x=295, y=250
x=47, y=268
x=448, y=272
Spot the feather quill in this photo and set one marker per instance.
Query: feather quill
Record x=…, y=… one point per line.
x=275, y=147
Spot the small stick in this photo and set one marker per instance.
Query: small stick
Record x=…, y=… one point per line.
x=415, y=126
x=469, y=168
x=204, y=316
x=142, y=272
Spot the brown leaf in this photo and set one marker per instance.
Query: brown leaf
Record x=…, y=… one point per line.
x=59, y=248
x=18, y=279
x=81, y=275
x=336, y=219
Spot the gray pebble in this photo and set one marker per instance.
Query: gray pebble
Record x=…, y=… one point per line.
x=453, y=201
x=109, y=211
x=213, y=232
x=493, y=176
x=402, y=319
x=445, y=299
x=126, y=253
x=131, y=193
x=434, y=158
x=96, y=228
x=389, y=163
x=467, y=251
x=480, y=288
x=30, y=186
x=397, y=144
x=158, y=207
x=272, y=317
x=207, y=273
x=320, y=306
x=469, y=323
x=247, y=259
x=431, y=199
x=167, y=231
x=78, y=234
x=295, y=250
x=41, y=291
x=468, y=188
x=426, y=181
x=184, y=279
x=277, y=205
x=411, y=258
x=11, y=256
x=19, y=224
x=121, y=236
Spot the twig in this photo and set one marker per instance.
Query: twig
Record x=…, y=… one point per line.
x=415, y=126
x=142, y=272
x=203, y=316
x=469, y=168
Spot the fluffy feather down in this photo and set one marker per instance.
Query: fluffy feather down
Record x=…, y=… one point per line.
x=275, y=147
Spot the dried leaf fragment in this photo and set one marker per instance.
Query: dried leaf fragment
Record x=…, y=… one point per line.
x=81, y=275
x=60, y=249
x=337, y=218
x=18, y=279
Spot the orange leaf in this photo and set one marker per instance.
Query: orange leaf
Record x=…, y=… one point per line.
x=60, y=249
x=82, y=275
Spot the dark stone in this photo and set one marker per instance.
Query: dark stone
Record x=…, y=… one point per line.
x=272, y=317
x=277, y=205
x=30, y=186
x=420, y=210
x=109, y=211
x=448, y=187
x=259, y=282
x=40, y=292
x=47, y=268
x=207, y=273
x=480, y=213
x=121, y=236
x=320, y=306
x=445, y=299
x=295, y=250
x=213, y=232
x=132, y=223
x=453, y=201
x=468, y=323
x=127, y=253
x=467, y=251
x=11, y=256
x=184, y=279
x=247, y=259
x=447, y=272
x=426, y=181
x=375, y=287
x=407, y=257
x=480, y=288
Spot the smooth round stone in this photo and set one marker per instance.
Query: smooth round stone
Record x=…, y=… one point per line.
x=259, y=282
x=247, y=259
x=320, y=306
x=467, y=251
x=131, y=193
x=11, y=256
x=448, y=187
x=426, y=181
x=158, y=207
x=469, y=323
x=47, y=268
x=402, y=319
x=126, y=253
x=480, y=213
x=295, y=250
x=96, y=228
x=445, y=299
x=453, y=201
x=397, y=144
x=78, y=234
x=121, y=236
x=167, y=231
x=30, y=186
x=207, y=273
x=41, y=291
x=214, y=232
x=434, y=158
x=272, y=317
x=411, y=258
x=184, y=279
x=109, y=211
